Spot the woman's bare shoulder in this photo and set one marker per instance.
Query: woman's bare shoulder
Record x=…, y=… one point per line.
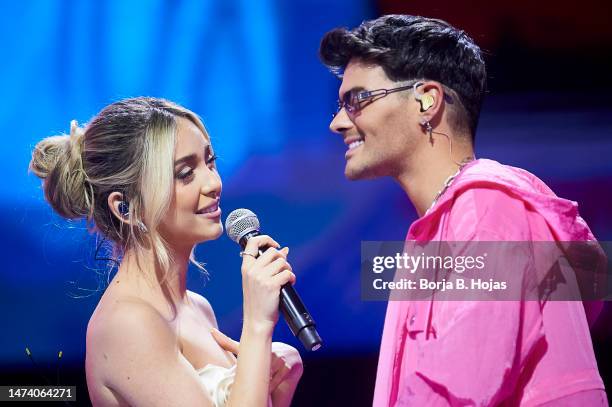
x=122, y=310
x=124, y=321
x=126, y=334
x=134, y=350
x=203, y=306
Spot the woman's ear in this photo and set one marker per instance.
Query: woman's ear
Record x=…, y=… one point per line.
x=119, y=207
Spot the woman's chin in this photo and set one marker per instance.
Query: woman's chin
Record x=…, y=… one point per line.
x=212, y=233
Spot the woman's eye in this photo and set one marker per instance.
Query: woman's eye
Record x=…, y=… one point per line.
x=211, y=159
x=185, y=174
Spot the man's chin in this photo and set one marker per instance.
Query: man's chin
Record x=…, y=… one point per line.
x=355, y=174
x=363, y=172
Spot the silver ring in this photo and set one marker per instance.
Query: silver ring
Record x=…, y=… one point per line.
x=243, y=253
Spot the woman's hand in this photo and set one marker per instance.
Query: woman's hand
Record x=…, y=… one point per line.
x=286, y=365
x=262, y=278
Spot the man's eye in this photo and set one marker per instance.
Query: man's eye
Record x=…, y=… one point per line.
x=361, y=96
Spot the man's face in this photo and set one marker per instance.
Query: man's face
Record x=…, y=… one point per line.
x=383, y=135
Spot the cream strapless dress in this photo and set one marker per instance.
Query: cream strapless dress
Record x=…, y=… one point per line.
x=218, y=382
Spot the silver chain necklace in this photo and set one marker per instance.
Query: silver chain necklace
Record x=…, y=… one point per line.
x=449, y=181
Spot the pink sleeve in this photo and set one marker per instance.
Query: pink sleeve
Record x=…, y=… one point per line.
x=480, y=347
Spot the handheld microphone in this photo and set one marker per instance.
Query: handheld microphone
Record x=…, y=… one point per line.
x=240, y=226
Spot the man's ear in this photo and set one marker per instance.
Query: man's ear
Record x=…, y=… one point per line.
x=119, y=207
x=430, y=96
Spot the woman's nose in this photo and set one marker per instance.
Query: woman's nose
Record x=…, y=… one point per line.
x=212, y=182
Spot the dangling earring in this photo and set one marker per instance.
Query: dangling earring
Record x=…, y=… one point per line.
x=428, y=129
x=142, y=227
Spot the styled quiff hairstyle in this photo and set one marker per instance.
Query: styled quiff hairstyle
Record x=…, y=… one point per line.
x=128, y=147
x=413, y=47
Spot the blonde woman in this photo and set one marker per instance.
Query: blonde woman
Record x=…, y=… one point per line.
x=142, y=173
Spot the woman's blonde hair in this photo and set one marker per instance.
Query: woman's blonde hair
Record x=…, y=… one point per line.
x=128, y=147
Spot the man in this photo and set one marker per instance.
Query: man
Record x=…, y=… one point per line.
x=410, y=98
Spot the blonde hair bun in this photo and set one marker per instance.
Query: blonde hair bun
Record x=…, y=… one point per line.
x=57, y=161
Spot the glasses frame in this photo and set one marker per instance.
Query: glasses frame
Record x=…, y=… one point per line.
x=353, y=107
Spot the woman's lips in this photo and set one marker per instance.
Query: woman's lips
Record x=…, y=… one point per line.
x=213, y=211
x=214, y=214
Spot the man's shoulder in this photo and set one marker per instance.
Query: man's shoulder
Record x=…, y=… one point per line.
x=503, y=177
x=488, y=212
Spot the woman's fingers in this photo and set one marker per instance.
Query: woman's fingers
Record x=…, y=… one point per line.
x=272, y=254
x=268, y=264
x=257, y=243
x=278, y=376
x=225, y=341
x=284, y=277
x=260, y=284
x=276, y=371
x=286, y=365
x=250, y=254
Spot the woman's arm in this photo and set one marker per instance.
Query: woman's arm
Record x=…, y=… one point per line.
x=134, y=352
x=262, y=278
x=285, y=368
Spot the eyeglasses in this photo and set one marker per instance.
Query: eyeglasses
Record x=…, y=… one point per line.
x=353, y=99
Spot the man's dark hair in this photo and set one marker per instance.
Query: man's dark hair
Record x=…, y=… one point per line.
x=414, y=47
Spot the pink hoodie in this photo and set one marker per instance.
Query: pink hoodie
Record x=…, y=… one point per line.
x=488, y=353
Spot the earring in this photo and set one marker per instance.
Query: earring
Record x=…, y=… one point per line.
x=428, y=129
x=124, y=208
x=142, y=227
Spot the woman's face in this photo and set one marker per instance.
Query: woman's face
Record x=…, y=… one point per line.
x=194, y=214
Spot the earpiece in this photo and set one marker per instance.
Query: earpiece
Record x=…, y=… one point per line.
x=426, y=101
x=124, y=208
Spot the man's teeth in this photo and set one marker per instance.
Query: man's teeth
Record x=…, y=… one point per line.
x=355, y=144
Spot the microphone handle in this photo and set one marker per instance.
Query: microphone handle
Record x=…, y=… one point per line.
x=293, y=309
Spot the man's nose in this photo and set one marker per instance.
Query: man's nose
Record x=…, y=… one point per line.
x=341, y=122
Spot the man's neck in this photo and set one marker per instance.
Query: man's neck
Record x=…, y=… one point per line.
x=426, y=177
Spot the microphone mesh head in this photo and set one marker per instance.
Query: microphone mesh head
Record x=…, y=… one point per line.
x=239, y=223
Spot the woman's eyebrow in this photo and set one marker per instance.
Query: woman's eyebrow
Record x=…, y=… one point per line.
x=191, y=157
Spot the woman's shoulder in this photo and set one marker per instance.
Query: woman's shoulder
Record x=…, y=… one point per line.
x=123, y=331
x=203, y=306
x=115, y=321
x=124, y=309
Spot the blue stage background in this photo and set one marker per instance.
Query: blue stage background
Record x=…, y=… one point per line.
x=251, y=70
